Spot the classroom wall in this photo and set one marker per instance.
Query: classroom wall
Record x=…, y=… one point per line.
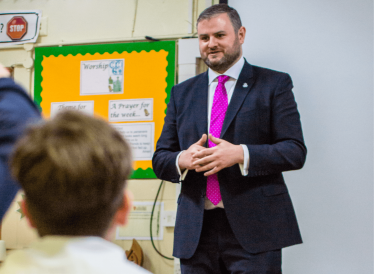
x=73, y=22
x=327, y=48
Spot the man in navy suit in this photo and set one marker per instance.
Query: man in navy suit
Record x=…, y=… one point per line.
x=16, y=111
x=240, y=224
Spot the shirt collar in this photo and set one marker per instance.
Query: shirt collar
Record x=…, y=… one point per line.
x=233, y=72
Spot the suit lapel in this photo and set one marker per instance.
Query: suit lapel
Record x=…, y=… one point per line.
x=242, y=88
x=200, y=106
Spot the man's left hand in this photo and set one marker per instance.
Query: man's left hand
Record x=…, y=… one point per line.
x=213, y=159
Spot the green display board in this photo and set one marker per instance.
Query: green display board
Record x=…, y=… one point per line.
x=127, y=84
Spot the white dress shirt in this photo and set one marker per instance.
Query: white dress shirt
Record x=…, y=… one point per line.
x=70, y=255
x=234, y=73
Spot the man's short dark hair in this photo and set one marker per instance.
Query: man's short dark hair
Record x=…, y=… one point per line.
x=73, y=169
x=215, y=10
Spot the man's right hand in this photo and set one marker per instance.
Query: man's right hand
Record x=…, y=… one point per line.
x=4, y=73
x=185, y=159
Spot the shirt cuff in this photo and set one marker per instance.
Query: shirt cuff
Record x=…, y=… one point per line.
x=181, y=176
x=244, y=167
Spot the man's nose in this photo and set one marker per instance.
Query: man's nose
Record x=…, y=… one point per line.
x=212, y=42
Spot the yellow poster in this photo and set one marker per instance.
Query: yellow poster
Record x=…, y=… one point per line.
x=126, y=84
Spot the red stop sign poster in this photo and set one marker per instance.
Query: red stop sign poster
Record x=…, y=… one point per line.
x=16, y=28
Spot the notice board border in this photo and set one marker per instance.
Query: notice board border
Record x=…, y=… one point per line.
x=168, y=46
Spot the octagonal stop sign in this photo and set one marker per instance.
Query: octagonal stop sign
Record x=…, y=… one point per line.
x=16, y=28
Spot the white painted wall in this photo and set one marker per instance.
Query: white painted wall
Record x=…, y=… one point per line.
x=71, y=21
x=188, y=51
x=327, y=47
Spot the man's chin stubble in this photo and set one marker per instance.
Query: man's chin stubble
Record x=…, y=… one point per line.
x=220, y=65
x=224, y=64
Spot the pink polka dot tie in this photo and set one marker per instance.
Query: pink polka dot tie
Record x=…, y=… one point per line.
x=217, y=116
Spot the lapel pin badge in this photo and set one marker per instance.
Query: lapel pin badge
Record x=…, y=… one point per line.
x=245, y=85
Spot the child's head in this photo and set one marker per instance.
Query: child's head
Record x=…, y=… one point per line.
x=73, y=170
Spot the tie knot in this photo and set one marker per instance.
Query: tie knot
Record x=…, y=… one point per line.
x=222, y=79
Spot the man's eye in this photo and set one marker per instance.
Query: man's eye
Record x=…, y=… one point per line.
x=204, y=38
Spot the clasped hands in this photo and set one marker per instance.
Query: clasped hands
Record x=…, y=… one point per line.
x=210, y=160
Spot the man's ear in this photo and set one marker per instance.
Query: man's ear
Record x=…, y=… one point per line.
x=241, y=34
x=122, y=213
x=27, y=214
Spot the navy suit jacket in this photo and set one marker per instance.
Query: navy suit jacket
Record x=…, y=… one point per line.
x=263, y=115
x=16, y=111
